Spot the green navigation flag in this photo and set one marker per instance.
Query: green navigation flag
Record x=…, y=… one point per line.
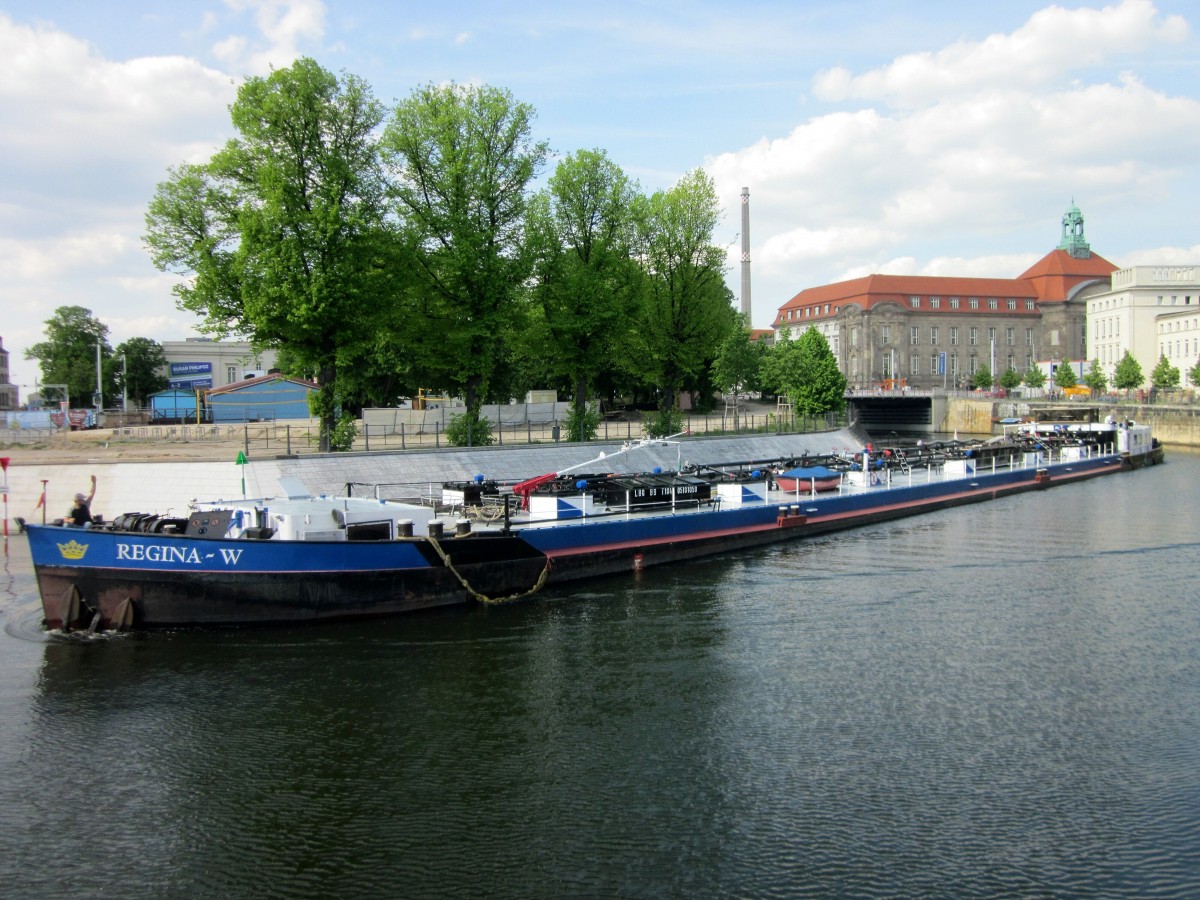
x=241, y=461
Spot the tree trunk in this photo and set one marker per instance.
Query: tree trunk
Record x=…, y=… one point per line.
x=327, y=404
x=580, y=404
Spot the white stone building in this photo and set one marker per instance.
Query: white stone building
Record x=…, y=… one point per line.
x=1149, y=311
x=206, y=364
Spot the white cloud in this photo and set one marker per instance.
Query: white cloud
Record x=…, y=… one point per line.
x=284, y=25
x=83, y=141
x=71, y=115
x=1162, y=256
x=971, y=143
x=1053, y=42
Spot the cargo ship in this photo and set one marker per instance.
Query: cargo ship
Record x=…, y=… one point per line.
x=304, y=558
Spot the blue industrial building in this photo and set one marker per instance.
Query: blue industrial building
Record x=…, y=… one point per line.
x=261, y=399
x=173, y=405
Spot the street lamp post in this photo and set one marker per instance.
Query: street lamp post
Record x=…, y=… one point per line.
x=99, y=386
x=124, y=384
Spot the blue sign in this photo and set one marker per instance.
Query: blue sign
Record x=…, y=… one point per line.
x=941, y=370
x=190, y=383
x=191, y=368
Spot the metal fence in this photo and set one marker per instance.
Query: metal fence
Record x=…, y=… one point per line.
x=299, y=438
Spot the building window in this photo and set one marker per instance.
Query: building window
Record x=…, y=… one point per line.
x=914, y=302
x=933, y=334
x=993, y=303
x=1010, y=336
x=933, y=364
x=954, y=364
x=914, y=335
x=954, y=303
x=992, y=335
x=973, y=303
x=1012, y=304
x=230, y=374
x=974, y=364
x=1029, y=304
x=954, y=335
x=914, y=365
x=974, y=336
x=886, y=333
x=1028, y=337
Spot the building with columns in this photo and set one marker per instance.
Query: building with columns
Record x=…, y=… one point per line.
x=932, y=331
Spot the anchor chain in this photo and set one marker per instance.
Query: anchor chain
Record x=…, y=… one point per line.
x=484, y=598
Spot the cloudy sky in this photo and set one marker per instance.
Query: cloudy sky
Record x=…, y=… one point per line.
x=930, y=137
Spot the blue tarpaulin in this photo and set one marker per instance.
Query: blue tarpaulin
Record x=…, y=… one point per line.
x=818, y=472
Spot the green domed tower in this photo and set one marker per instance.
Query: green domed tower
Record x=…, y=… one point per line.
x=1073, y=240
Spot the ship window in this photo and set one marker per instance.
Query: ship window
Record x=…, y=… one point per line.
x=369, y=531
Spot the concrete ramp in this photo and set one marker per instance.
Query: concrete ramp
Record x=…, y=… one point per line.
x=168, y=487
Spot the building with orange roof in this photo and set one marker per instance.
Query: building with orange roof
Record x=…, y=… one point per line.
x=930, y=331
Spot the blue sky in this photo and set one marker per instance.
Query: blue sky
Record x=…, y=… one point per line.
x=922, y=138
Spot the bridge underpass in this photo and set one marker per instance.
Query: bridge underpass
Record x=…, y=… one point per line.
x=898, y=411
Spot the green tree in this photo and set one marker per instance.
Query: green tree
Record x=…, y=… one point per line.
x=806, y=371
x=1064, y=376
x=1165, y=376
x=282, y=231
x=68, y=355
x=982, y=378
x=463, y=159
x=1095, y=379
x=1194, y=374
x=1010, y=379
x=685, y=308
x=1034, y=377
x=585, y=284
x=1128, y=374
x=822, y=387
x=739, y=358
x=139, y=364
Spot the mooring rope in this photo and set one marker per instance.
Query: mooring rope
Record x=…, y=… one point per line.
x=484, y=598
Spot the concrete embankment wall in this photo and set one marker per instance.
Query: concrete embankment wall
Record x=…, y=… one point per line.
x=969, y=416
x=168, y=487
x=1173, y=425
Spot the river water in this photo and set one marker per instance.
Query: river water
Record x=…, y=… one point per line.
x=999, y=700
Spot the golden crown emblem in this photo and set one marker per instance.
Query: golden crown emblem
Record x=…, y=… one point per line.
x=73, y=550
